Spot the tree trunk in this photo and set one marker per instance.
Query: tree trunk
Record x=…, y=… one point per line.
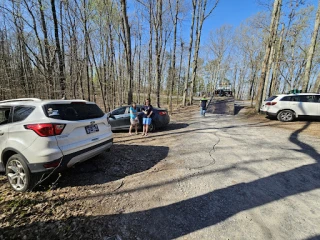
x=266, y=82
x=98, y=72
x=186, y=81
x=311, y=51
x=139, y=67
x=150, y=49
x=173, y=62
x=49, y=65
x=274, y=78
x=158, y=28
x=265, y=66
x=62, y=78
x=127, y=46
x=86, y=48
x=201, y=17
x=316, y=87
x=180, y=67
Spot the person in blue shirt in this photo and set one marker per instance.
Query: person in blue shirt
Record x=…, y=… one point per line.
x=147, y=113
x=134, y=121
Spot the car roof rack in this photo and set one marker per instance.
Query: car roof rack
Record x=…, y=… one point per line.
x=21, y=100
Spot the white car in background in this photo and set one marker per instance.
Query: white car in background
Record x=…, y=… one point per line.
x=287, y=107
x=37, y=137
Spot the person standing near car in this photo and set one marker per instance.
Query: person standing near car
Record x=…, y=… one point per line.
x=134, y=121
x=147, y=113
x=203, y=105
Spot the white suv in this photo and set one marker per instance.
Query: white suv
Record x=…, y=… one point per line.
x=287, y=107
x=37, y=137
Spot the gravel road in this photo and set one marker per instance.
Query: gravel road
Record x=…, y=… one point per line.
x=218, y=177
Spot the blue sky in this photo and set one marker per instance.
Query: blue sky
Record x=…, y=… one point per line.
x=230, y=12
x=233, y=12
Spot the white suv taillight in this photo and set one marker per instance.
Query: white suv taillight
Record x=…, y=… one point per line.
x=46, y=129
x=271, y=103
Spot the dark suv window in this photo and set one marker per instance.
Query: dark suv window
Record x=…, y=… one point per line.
x=21, y=113
x=308, y=98
x=271, y=98
x=286, y=98
x=73, y=111
x=4, y=116
x=295, y=99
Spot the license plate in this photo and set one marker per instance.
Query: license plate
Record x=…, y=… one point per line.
x=92, y=128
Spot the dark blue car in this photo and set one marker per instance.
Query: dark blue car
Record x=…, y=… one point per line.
x=119, y=118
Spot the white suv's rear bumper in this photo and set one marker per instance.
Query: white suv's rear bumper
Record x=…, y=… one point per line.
x=69, y=160
x=89, y=154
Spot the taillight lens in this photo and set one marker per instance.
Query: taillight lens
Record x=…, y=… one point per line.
x=58, y=128
x=46, y=129
x=271, y=103
x=162, y=113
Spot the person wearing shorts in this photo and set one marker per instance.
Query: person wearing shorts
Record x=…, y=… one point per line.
x=203, y=105
x=134, y=121
x=147, y=113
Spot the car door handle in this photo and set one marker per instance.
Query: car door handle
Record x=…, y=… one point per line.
x=1, y=133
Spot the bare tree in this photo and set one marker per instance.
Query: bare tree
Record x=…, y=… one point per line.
x=173, y=61
x=311, y=50
x=186, y=81
x=265, y=65
x=127, y=47
x=62, y=78
x=158, y=47
x=202, y=15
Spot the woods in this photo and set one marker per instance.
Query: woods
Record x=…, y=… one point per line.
x=115, y=52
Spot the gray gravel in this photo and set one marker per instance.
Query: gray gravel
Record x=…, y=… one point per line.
x=218, y=177
x=225, y=178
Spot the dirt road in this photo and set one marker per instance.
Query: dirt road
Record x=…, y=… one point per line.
x=218, y=177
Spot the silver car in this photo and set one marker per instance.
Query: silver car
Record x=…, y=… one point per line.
x=119, y=118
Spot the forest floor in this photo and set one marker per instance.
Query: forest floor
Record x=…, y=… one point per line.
x=218, y=177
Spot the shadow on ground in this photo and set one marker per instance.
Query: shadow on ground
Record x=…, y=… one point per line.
x=238, y=108
x=190, y=215
x=169, y=127
x=123, y=160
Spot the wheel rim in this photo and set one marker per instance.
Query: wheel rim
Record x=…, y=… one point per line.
x=16, y=175
x=286, y=116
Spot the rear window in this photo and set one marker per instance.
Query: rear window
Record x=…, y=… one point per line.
x=21, y=113
x=271, y=98
x=73, y=111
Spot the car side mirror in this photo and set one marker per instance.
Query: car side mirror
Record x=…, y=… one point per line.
x=110, y=115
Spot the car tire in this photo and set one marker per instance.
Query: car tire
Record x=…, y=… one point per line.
x=18, y=174
x=152, y=127
x=286, y=116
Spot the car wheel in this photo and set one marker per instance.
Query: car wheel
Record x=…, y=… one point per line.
x=18, y=173
x=285, y=116
x=152, y=127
